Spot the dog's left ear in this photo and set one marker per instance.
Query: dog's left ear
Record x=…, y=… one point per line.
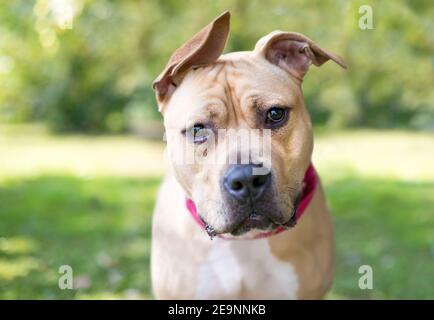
x=294, y=52
x=203, y=48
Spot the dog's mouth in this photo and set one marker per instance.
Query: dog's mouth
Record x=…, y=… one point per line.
x=260, y=222
x=253, y=218
x=254, y=221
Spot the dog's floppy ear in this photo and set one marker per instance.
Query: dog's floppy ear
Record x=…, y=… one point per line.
x=294, y=52
x=203, y=48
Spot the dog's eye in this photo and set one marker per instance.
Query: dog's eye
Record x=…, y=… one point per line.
x=276, y=115
x=198, y=133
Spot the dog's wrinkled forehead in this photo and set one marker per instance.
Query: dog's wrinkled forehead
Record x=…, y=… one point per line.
x=235, y=83
x=291, y=52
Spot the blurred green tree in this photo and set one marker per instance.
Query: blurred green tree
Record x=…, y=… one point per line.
x=87, y=65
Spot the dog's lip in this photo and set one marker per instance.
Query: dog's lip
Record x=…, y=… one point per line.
x=253, y=221
x=255, y=217
x=262, y=222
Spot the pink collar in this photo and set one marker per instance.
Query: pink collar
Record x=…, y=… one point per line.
x=310, y=183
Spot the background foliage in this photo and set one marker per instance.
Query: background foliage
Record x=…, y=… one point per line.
x=96, y=76
x=87, y=200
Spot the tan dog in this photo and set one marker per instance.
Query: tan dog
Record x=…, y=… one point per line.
x=199, y=92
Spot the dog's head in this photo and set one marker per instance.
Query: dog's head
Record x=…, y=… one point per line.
x=238, y=133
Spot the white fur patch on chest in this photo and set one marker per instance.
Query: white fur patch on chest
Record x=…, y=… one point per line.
x=245, y=269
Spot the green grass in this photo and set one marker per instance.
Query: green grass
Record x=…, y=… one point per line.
x=388, y=225
x=97, y=220
x=100, y=227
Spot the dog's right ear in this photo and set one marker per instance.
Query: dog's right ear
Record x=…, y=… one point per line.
x=203, y=48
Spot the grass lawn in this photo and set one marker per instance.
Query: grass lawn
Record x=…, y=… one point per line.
x=87, y=202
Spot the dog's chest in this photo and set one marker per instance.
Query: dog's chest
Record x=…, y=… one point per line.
x=245, y=269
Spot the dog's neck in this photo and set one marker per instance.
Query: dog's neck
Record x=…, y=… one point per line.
x=310, y=183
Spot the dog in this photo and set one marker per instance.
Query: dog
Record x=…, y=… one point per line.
x=271, y=233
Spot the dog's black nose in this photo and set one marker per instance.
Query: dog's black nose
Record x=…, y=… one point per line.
x=241, y=182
